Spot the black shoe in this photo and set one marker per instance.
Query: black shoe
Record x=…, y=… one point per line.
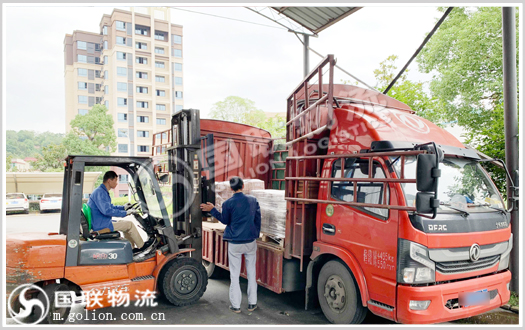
x=235, y=310
x=135, y=250
x=251, y=308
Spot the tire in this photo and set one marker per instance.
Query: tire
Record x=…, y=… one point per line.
x=209, y=266
x=339, y=296
x=26, y=211
x=64, y=311
x=176, y=281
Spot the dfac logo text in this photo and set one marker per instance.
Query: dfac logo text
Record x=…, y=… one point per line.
x=31, y=311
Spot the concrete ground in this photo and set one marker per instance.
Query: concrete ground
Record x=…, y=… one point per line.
x=212, y=308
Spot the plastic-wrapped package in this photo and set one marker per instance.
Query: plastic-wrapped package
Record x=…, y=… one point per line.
x=273, y=211
x=223, y=190
x=252, y=184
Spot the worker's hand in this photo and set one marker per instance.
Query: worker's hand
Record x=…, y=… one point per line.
x=132, y=211
x=127, y=206
x=207, y=207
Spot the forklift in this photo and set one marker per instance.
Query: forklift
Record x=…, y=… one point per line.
x=79, y=260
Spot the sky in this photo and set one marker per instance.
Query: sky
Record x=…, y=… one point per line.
x=222, y=57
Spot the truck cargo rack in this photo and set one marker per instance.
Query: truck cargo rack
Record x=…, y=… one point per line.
x=305, y=128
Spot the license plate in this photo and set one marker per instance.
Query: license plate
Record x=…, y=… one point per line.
x=54, y=201
x=14, y=202
x=474, y=298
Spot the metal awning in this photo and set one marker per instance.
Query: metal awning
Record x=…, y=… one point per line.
x=316, y=19
x=39, y=183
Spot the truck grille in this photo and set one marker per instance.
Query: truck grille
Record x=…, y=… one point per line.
x=463, y=266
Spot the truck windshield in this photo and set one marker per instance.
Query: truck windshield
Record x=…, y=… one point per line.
x=149, y=193
x=463, y=185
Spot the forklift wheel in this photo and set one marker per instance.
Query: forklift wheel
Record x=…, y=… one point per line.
x=183, y=281
x=52, y=316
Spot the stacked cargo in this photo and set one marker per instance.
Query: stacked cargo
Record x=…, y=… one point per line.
x=223, y=191
x=273, y=212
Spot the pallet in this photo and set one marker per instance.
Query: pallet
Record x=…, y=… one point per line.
x=269, y=239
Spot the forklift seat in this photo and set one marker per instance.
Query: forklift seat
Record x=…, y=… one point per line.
x=86, y=227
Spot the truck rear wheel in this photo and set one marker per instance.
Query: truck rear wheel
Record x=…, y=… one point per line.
x=339, y=297
x=183, y=281
x=209, y=266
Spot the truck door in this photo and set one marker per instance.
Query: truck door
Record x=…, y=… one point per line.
x=368, y=233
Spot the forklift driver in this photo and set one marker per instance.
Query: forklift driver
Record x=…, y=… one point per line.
x=102, y=210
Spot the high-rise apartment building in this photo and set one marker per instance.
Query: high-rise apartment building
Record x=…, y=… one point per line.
x=133, y=66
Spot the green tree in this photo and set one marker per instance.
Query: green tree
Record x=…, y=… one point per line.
x=244, y=111
x=8, y=160
x=466, y=57
x=92, y=133
x=409, y=92
x=52, y=159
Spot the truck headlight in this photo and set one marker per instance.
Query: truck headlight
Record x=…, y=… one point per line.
x=414, y=265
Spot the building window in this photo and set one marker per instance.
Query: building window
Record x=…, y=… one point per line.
x=142, y=90
x=83, y=111
x=82, y=85
x=121, y=26
x=159, y=64
x=106, y=59
x=143, y=134
x=123, y=178
x=161, y=107
x=106, y=89
x=98, y=100
x=177, y=66
x=141, y=31
x=122, y=132
x=161, y=92
x=105, y=30
x=81, y=45
x=159, y=50
x=177, y=40
x=159, y=35
x=141, y=45
x=143, y=119
x=97, y=73
x=122, y=87
x=142, y=148
x=160, y=79
x=121, y=56
x=161, y=121
x=106, y=103
x=122, y=102
x=142, y=104
x=82, y=99
x=121, y=41
x=81, y=58
x=178, y=107
x=176, y=52
x=97, y=87
x=178, y=94
x=141, y=60
x=82, y=72
x=106, y=44
x=122, y=117
x=178, y=80
x=142, y=75
x=123, y=72
x=123, y=148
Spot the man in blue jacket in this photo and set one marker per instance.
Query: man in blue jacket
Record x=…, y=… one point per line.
x=102, y=211
x=242, y=216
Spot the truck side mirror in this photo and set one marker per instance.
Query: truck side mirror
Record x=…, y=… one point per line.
x=427, y=172
x=164, y=178
x=426, y=202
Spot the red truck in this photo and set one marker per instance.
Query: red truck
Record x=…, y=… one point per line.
x=386, y=211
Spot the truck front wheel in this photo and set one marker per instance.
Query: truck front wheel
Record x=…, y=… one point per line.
x=183, y=281
x=339, y=297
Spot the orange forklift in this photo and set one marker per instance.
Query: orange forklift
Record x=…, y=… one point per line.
x=78, y=260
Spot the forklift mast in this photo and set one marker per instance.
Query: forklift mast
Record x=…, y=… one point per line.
x=185, y=167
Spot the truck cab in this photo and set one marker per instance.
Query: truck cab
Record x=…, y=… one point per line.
x=382, y=242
